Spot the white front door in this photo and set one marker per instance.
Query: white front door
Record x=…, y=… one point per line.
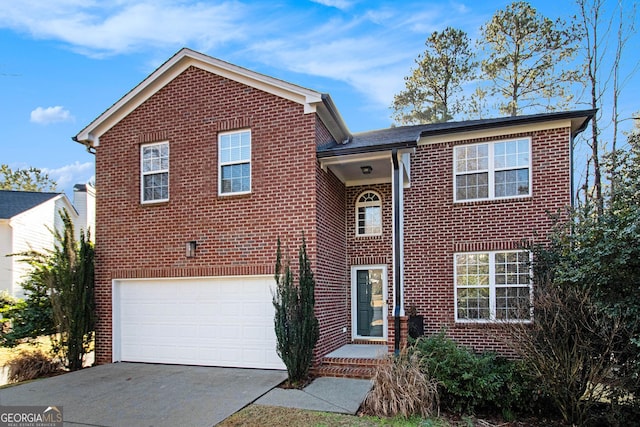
x=369, y=302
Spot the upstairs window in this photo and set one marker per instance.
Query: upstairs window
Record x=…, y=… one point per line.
x=369, y=214
x=492, y=170
x=492, y=286
x=234, y=154
x=154, y=164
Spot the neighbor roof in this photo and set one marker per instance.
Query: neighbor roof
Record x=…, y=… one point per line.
x=13, y=203
x=408, y=136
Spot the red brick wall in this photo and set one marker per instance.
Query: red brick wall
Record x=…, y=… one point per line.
x=436, y=228
x=332, y=280
x=236, y=235
x=372, y=250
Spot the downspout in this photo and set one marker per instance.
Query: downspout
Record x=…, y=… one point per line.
x=572, y=137
x=397, y=259
x=573, y=191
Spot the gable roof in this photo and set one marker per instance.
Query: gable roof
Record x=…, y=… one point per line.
x=408, y=136
x=313, y=102
x=13, y=203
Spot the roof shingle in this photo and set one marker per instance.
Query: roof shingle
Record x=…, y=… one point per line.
x=408, y=136
x=13, y=203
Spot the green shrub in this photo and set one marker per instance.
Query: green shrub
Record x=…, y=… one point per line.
x=28, y=318
x=470, y=383
x=296, y=326
x=64, y=278
x=401, y=388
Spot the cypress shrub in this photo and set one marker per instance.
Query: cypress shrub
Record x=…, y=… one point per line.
x=296, y=325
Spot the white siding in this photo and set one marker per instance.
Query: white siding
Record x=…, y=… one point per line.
x=85, y=204
x=31, y=231
x=6, y=267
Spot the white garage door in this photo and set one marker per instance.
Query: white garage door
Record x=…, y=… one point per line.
x=201, y=321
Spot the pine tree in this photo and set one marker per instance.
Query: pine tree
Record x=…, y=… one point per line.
x=432, y=90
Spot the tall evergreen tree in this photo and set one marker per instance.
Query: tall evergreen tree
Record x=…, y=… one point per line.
x=432, y=90
x=528, y=59
x=296, y=326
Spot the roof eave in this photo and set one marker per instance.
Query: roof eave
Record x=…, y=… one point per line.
x=579, y=120
x=163, y=75
x=340, y=151
x=332, y=119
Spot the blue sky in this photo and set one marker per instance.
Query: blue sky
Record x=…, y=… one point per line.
x=63, y=62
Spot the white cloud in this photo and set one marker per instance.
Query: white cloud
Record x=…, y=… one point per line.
x=109, y=28
x=368, y=47
x=45, y=116
x=338, y=4
x=69, y=175
x=370, y=61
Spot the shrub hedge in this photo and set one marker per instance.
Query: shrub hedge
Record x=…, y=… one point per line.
x=470, y=383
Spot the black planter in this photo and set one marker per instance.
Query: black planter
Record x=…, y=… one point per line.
x=416, y=326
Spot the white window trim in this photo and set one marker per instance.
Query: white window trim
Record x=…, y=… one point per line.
x=221, y=164
x=358, y=205
x=354, y=302
x=492, y=289
x=143, y=173
x=492, y=171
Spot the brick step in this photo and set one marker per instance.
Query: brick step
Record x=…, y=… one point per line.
x=358, y=368
x=350, y=361
x=355, y=372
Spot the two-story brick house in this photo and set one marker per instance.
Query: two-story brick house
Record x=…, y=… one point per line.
x=204, y=165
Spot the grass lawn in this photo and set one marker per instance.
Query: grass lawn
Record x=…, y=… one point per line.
x=257, y=415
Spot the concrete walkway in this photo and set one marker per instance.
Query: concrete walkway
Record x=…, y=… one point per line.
x=341, y=395
x=329, y=394
x=360, y=351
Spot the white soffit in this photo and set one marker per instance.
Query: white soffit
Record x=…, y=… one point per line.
x=177, y=64
x=347, y=167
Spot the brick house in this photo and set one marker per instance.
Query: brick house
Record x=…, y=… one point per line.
x=203, y=165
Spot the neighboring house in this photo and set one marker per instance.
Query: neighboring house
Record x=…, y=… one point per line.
x=26, y=221
x=204, y=165
x=84, y=200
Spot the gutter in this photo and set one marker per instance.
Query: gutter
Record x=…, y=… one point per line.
x=87, y=144
x=337, y=118
x=511, y=121
x=339, y=151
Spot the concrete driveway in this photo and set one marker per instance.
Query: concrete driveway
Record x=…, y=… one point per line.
x=139, y=394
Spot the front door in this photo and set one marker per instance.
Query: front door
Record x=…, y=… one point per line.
x=369, y=302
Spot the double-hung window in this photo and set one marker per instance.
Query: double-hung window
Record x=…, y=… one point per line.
x=234, y=154
x=369, y=214
x=492, y=170
x=493, y=286
x=154, y=182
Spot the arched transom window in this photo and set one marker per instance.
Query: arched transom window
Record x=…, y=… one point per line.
x=369, y=214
